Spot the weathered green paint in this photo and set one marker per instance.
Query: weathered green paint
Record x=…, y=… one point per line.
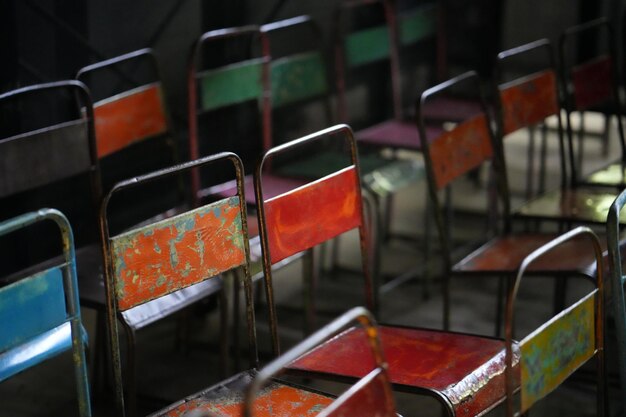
x=556, y=350
x=298, y=77
x=418, y=24
x=163, y=257
x=366, y=46
x=232, y=84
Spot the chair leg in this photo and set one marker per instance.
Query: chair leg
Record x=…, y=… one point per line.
x=224, y=342
x=605, y=135
x=236, y=318
x=543, y=155
x=530, y=163
x=130, y=371
x=310, y=287
x=581, y=143
x=502, y=283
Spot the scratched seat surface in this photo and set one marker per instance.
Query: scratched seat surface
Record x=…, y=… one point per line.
x=225, y=399
x=467, y=370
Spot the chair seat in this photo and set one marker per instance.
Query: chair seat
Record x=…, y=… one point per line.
x=226, y=399
x=612, y=175
x=504, y=254
x=397, y=134
x=467, y=370
x=273, y=185
x=581, y=205
x=446, y=108
x=37, y=350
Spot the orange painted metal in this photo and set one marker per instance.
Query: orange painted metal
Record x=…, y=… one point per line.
x=178, y=252
x=128, y=118
x=312, y=214
x=593, y=82
x=456, y=152
x=276, y=401
x=467, y=370
x=529, y=101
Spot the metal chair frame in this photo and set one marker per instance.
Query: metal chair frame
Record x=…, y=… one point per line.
x=370, y=396
x=44, y=337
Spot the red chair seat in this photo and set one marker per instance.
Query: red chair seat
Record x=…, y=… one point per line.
x=396, y=134
x=225, y=399
x=504, y=254
x=467, y=370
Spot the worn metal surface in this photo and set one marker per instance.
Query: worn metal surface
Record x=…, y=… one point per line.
x=38, y=152
x=504, y=254
x=31, y=306
x=23, y=303
x=449, y=108
x=592, y=82
x=174, y=253
x=312, y=214
x=297, y=77
x=553, y=352
x=468, y=370
x=577, y=205
x=232, y=84
x=129, y=117
x=418, y=24
x=457, y=152
x=226, y=399
x=528, y=100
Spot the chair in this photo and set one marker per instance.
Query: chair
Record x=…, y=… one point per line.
x=370, y=396
x=527, y=101
x=618, y=299
x=154, y=260
x=592, y=85
x=40, y=313
x=468, y=145
x=561, y=345
x=299, y=80
x=132, y=121
x=467, y=374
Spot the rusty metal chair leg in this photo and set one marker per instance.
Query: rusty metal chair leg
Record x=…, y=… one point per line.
x=224, y=333
x=130, y=374
x=236, y=318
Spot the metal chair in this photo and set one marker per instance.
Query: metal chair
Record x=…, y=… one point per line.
x=370, y=396
x=526, y=102
x=472, y=378
x=155, y=260
x=592, y=85
x=40, y=313
x=470, y=144
x=618, y=298
x=561, y=345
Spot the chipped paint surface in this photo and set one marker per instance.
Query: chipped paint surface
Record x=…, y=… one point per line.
x=128, y=118
x=297, y=77
x=529, y=101
x=276, y=400
x=456, y=152
x=166, y=256
x=593, y=82
x=553, y=352
x=312, y=214
x=468, y=369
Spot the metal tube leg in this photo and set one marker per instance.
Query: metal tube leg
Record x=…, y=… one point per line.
x=530, y=163
x=310, y=285
x=224, y=342
x=581, y=143
x=236, y=318
x=130, y=371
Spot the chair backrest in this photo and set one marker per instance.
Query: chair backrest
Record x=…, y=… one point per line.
x=529, y=100
x=592, y=81
x=40, y=304
x=463, y=148
x=132, y=115
x=369, y=396
x=153, y=260
x=359, y=48
x=311, y=214
x=297, y=77
x=228, y=85
x=617, y=284
x=553, y=351
x=52, y=153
